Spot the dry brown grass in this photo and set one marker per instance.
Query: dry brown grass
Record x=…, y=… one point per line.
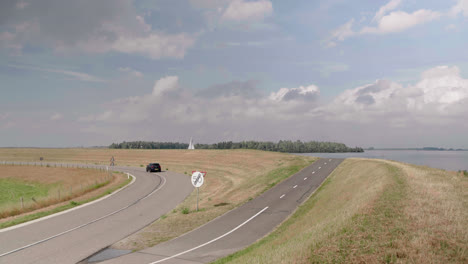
x=373, y=211
x=234, y=176
x=62, y=184
x=437, y=213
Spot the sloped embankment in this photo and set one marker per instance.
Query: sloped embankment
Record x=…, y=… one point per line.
x=373, y=211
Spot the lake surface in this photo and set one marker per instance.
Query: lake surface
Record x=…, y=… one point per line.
x=447, y=160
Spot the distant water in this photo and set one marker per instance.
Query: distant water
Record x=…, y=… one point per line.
x=447, y=160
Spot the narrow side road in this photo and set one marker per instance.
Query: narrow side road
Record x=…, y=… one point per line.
x=240, y=227
x=77, y=234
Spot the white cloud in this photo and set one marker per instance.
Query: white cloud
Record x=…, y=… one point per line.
x=341, y=33
x=56, y=117
x=397, y=21
x=437, y=100
x=142, y=108
x=170, y=104
x=307, y=93
x=460, y=7
x=240, y=10
x=443, y=86
x=110, y=26
x=393, y=4
x=439, y=97
x=165, y=84
x=80, y=76
x=156, y=46
x=146, y=27
x=400, y=21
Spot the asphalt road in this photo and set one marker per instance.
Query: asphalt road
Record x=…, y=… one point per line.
x=240, y=227
x=77, y=234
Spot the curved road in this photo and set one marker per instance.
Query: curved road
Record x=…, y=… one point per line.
x=75, y=235
x=240, y=227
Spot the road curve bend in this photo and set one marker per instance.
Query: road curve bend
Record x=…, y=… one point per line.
x=240, y=227
x=76, y=234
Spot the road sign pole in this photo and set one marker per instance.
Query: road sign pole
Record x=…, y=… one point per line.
x=197, y=181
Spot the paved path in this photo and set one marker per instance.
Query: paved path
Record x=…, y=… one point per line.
x=77, y=234
x=240, y=227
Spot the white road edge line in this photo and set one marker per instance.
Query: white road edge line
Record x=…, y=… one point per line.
x=83, y=225
x=69, y=210
x=281, y=197
x=294, y=186
x=211, y=241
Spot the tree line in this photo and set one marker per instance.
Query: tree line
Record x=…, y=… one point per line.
x=281, y=146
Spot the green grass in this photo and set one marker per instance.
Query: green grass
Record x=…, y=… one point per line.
x=321, y=231
x=373, y=211
x=235, y=178
x=26, y=218
x=379, y=229
x=278, y=175
x=14, y=189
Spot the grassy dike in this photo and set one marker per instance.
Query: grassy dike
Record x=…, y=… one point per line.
x=234, y=177
x=373, y=211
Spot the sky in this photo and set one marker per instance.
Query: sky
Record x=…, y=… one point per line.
x=366, y=73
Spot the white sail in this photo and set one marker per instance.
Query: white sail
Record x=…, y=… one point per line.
x=191, y=146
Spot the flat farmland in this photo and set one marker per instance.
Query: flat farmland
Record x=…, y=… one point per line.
x=29, y=189
x=233, y=178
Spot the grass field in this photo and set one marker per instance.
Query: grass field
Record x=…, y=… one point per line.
x=233, y=177
x=373, y=211
x=13, y=190
x=29, y=188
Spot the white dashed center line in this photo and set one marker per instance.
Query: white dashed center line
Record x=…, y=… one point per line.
x=211, y=241
x=325, y=163
x=305, y=178
x=294, y=186
x=281, y=197
x=320, y=168
x=313, y=172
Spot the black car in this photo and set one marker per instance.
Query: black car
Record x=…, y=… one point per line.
x=153, y=167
